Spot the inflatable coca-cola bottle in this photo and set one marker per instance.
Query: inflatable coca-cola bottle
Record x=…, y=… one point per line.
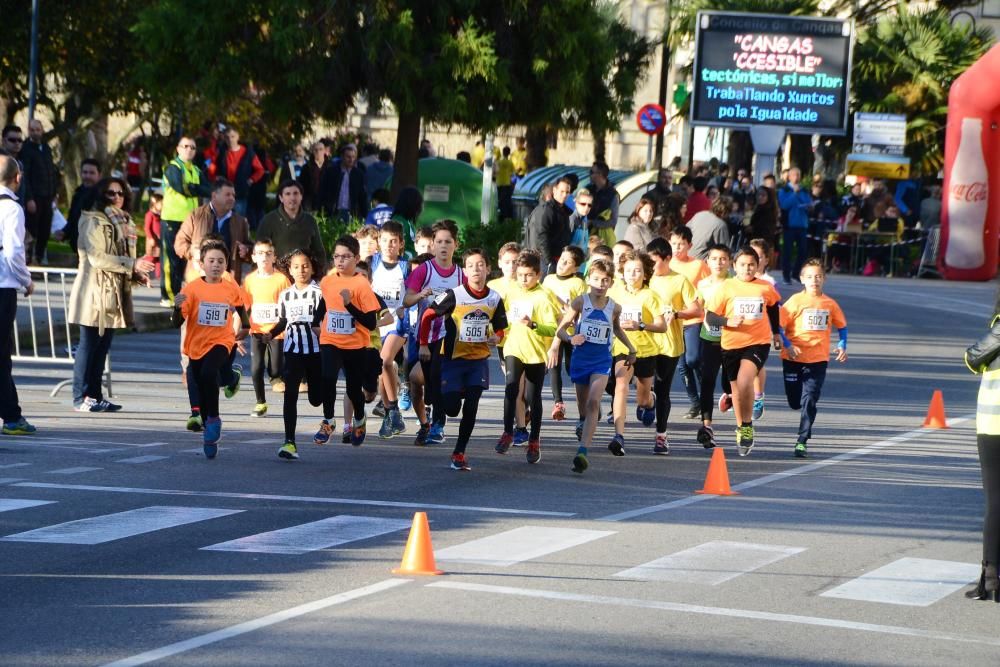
x=967, y=199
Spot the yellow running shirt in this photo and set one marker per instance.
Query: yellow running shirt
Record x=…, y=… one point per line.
x=675, y=292
x=643, y=306
x=529, y=345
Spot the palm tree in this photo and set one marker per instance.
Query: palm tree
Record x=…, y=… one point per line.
x=905, y=63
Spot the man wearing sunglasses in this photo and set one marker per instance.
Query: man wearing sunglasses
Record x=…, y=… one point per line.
x=183, y=184
x=13, y=142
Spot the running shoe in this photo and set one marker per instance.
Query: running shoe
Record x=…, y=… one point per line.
x=396, y=419
x=422, y=432
x=87, y=405
x=617, y=445
x=232, y=389
x=107, y=406
x=693, y=413
x=758, y=408
x=324, y=433
x=385, y=431
x=213, y=433
x=579, y=430
x=436, y=435
x=460, y=462
x=358, y=434
x=559, y=411
x=533, y=452
x=288, y=451
x=580, y=462
x=800, y=449
x=744, y=440
x=520, y=436
x=19, y=427
x=404, y=397
x=259, y=410
x=278, y=386
x=504, y=443
x=194, y=423
x=725, y=402
x=611, y=418
x=706, y=436
x=379, y=409
x=648, y=416
x=661, y=446
x=345, y=436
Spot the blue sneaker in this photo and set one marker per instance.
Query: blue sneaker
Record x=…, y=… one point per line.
x=520, y=436
x=436, y=435
x=758, y=408
x=385, y=432
x=358, y=432
x=404, y=397
x=398, y=425
x=213, y=433
x=20, y=427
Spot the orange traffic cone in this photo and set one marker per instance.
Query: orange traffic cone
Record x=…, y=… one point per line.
x=935, y=413
x=418, y=558
x=717, y=479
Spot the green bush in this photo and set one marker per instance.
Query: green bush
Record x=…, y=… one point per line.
x=331, y=229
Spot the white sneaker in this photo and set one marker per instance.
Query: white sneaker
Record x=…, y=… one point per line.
x=88, y=405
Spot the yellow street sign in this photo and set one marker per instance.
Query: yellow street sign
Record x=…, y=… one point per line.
x=878, y=166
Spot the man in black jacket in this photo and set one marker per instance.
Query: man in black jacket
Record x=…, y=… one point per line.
x=83, y=200
x=43, y=183
x=343, y=187
x=548, y=225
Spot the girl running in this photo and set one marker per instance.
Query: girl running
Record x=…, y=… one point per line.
x=566, y=284
x=763, y=250
x=711, y=345
x=593, y=316
x=261, y=289
x=808, y=318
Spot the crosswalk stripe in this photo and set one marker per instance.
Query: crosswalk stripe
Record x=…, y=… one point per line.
x=10, y=504
x=7, y=466
x=313, y=536
x=109, y=527
x=912, y=582
x=711, y=563
x=149, y=458
x=518, y=545
x=73, y=471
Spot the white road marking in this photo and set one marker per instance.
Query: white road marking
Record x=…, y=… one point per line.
x=72, y=471
x=256, y=624
x=258, y=441
x=779, y=476
x=518, y=545
x=912, y=582
x=7, y=466
x=717, y=611
x=313, y=536
x=10, y=480
x=294, y=499
x=101, y=529
x=149, y=458
x=9, y=504
x=711, y=563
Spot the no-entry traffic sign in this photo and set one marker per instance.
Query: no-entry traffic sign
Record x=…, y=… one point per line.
x=651, y=119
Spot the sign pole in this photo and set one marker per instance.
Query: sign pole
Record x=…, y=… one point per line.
x=767, y=140
x=487, y=203
x=649, y=154
x=651, y=120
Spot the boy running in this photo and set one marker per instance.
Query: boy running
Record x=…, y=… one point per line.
x=808, y=318
x=594, y=317
x=566, y=284
x=474, y=322
x=711, y=345
x=389, y=273
x=261, y=289
x=694, y=270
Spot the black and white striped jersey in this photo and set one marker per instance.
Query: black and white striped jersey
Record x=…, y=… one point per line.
x=296, y=308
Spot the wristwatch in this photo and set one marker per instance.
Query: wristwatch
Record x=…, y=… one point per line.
x=642, y=326
x=533, y=325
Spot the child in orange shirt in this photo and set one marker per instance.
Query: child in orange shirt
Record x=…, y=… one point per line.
x=262, y=288
x=206, y=305
x=748, y=312
x=346, y=317
x=694, y=269
x=808, y=318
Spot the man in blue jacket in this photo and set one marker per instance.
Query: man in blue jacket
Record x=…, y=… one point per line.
x=795, y=202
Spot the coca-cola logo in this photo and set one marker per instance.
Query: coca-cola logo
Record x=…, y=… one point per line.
x=970, y=192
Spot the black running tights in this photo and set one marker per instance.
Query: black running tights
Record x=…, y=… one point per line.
x=534, y=378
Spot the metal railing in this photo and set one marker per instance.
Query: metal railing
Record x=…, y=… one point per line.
x=49, y=301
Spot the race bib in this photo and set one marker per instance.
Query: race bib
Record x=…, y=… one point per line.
x=596, y=332
x=631, y=314
x=299, y=312
x=339, y=322
x=815, y=319
x=714, y=331
x=393, y=298
x=264, y=313
x=749, y=307
x=519, y=309
x=473, y=331
x=213, y=314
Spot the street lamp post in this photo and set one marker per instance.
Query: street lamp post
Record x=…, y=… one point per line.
x=33, y=67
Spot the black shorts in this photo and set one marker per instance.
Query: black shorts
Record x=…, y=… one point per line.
x=731, y=359
x=645, y=367
x=373, y=368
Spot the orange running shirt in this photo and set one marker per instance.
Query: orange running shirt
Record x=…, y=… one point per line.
x=694, y=270
x=749, y=299
x=207, y=313
x=808, y=322
x=261, y=298
x=338, y=327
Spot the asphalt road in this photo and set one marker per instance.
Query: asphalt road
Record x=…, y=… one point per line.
x=120, y=542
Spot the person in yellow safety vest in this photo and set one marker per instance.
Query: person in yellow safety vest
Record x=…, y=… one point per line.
x=984, y=357
x=183, y=184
